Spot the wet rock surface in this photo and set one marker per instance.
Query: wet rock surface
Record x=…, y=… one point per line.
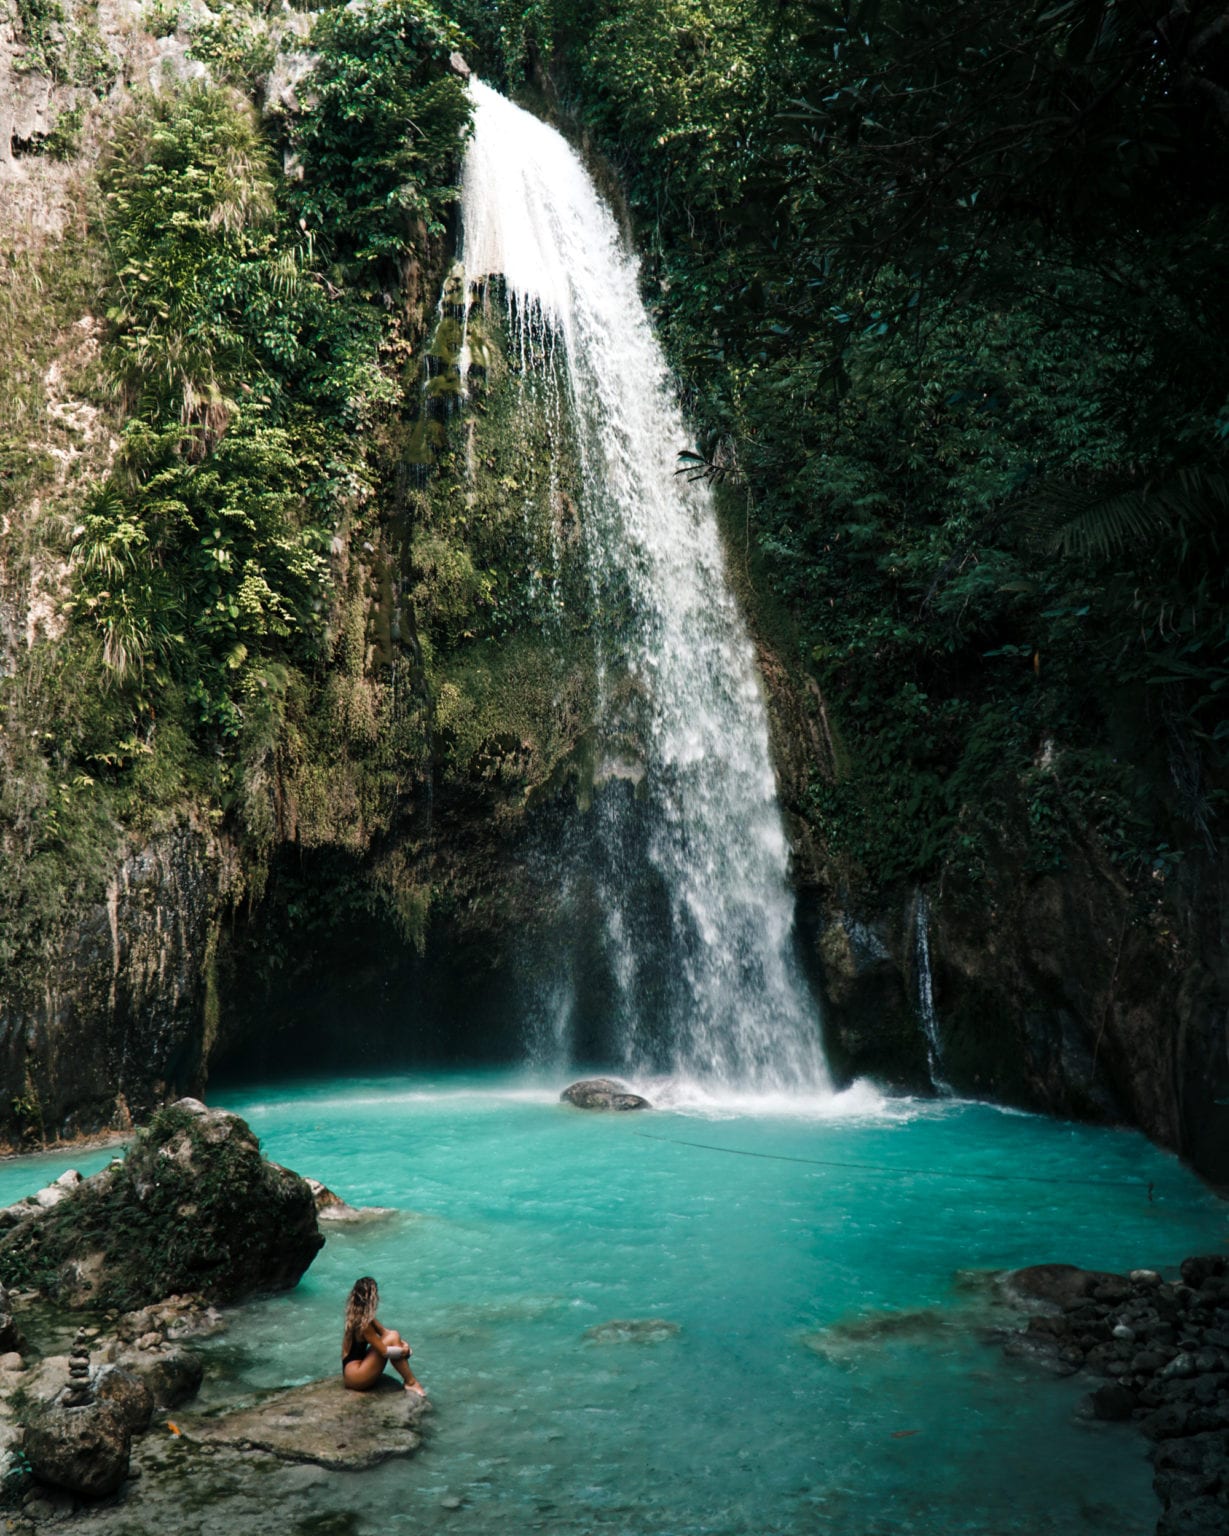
x=602, y=1093
x=322, y=1423
x=87, y=1437
x=331, y=1207
x=129, y=1394
x=1163, y=1347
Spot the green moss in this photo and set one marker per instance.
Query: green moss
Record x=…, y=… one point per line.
x=188, y=1210
x=160, y=18
x=40, y=31
x=496, y=575
x=510, y=712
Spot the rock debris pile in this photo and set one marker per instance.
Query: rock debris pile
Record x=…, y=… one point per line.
x=1163, y=1348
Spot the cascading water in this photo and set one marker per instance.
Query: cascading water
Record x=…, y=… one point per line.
x=926, y=994
x=693, y=854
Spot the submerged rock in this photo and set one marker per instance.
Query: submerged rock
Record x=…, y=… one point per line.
x=632, y=1330
x=192, y=1208
x=1062, y=1285
x=849, y=1336
x=602, y=1093
x=331, y=1207
x=323, y=1423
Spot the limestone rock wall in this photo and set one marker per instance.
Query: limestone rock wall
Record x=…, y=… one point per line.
x=1070, y=993
x=121, y=1015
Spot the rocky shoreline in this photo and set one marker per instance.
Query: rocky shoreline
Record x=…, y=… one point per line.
x=94, y=1352
x=133, y=1450
x=1162, y=1348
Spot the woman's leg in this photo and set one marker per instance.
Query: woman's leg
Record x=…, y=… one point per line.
x=393, y=1340
x=362, y=1375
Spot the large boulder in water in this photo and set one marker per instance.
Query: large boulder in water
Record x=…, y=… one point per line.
x=193, y=1208
x=1063, y=1285
x=602, y=1093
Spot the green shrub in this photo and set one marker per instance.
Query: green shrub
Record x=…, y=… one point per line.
x=381, y=140
x=237, y=49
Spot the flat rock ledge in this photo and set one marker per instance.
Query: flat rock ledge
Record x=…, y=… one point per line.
x=322, y=1423
x=602, y=1093
x=1163, y=1349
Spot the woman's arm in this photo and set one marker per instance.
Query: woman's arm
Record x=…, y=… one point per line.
x=385, y=1341
x=374, y=1335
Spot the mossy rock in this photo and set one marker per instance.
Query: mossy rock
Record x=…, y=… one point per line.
x=193, y=1208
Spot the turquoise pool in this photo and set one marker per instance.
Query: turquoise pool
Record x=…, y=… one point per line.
x=780, y=1398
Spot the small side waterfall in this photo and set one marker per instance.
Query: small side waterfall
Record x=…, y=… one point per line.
x=689, y=848
x=926, y=993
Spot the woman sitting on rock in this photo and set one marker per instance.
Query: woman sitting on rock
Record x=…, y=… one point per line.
x=367, y=1347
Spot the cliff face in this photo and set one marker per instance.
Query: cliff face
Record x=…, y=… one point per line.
x=1071, y=992
x=366, y=837
x=121, y=1013
x=1074, y=991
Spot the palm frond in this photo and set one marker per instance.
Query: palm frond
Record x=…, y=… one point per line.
x=1191, y=504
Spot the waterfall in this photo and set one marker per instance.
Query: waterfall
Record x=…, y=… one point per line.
x=689, y=847
x=926, y=993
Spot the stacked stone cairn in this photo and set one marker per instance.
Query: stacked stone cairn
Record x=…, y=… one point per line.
x=1164, y=1349
x=78, y=1393
x=79, y=1441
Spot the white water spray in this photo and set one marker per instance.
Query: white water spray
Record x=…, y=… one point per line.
x=677, y=669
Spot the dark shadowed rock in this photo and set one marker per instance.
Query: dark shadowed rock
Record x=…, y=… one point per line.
x=171, y=1375
x=1204, y=1267
x=129, y=1394
x=1061, y=1285
x=1113, y=1402
x=602, y=1093
x=82, y=1449
x=1161, y=1343
x=1197, y=1518
x=11, y=1341
x=193, y=1208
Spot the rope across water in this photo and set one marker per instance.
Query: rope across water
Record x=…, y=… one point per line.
x=930, y=1173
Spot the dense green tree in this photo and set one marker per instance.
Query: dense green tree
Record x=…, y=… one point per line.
x=941, y=284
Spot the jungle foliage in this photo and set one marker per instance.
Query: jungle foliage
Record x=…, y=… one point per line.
x=944, y=287
x=249, y=361
x=222, y=653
